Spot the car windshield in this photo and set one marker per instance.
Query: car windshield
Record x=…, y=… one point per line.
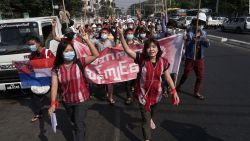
x=13, y=35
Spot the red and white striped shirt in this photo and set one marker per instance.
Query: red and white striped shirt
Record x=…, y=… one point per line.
x=148, y=88
x=72, y=85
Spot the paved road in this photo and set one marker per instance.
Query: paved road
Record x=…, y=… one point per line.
x=230, y=35
x=223, y=116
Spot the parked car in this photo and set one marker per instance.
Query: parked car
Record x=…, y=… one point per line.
x=184, y=22
x=215, y=21
x=240, y=24
x=174, y=17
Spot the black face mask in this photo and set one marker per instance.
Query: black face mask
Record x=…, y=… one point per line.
x=70, y=35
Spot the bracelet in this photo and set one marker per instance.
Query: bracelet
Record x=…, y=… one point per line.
x=172, y=91
x=55, y=103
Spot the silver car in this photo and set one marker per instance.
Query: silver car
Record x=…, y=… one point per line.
x=238, y=25
x=184, y=22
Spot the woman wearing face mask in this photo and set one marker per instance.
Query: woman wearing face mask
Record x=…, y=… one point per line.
x=38, y=97
x=101, y=44
x=130, y=38
x=131, y=41
x=103, y=40
x=142, y=35
x=68, y=78
x=130, y=24
x=99, y=27
x=148, y=89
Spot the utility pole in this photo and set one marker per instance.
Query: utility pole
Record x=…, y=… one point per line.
x=217, y=6
x=155, y=6
x=85, y=10
x=53, y=8
x=163, y=5
x=64, y=10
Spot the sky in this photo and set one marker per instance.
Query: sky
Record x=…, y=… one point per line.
x=126, y=3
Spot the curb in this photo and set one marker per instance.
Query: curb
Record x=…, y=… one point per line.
x=231, y=42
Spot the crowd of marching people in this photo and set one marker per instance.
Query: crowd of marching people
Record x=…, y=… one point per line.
x=68, y=79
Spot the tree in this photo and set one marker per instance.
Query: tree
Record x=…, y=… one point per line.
x=15, y=8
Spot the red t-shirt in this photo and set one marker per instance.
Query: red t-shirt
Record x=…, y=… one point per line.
x=45, y=53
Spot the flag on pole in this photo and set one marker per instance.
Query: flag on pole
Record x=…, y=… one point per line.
x=34, y=72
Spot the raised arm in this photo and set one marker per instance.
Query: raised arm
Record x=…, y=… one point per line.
x=163, y=23
x=54, y=32
x=91, y=46
x=125, y=46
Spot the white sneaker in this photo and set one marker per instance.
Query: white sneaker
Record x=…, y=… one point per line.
x=152, y=124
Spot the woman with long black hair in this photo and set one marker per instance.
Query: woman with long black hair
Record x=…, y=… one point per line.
x=148, y=89
x=68, y=78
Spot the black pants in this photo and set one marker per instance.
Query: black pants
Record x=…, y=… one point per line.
x=146, y=117
x=128, y=85
x=77, y=114
x=38, y=101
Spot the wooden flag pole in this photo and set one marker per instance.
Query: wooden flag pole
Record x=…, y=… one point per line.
x=197, y=23
x=64, y=10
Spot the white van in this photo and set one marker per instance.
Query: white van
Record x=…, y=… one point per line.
x=13, y=33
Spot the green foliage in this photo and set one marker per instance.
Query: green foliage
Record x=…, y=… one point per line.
x=226, y=7
x=15, y=8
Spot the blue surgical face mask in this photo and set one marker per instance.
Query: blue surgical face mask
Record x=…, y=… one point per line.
x=104, y=36
x=68, y=56
x=33, y=48
x=143, y=35
x=130, y=36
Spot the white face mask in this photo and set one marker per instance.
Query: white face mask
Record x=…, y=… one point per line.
x=143, y=35
x=68, y=56
x=202, y=27
x=104, y=36
x=99, y=29
x=33, y=48
x=130, y=36
x=130, y=26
